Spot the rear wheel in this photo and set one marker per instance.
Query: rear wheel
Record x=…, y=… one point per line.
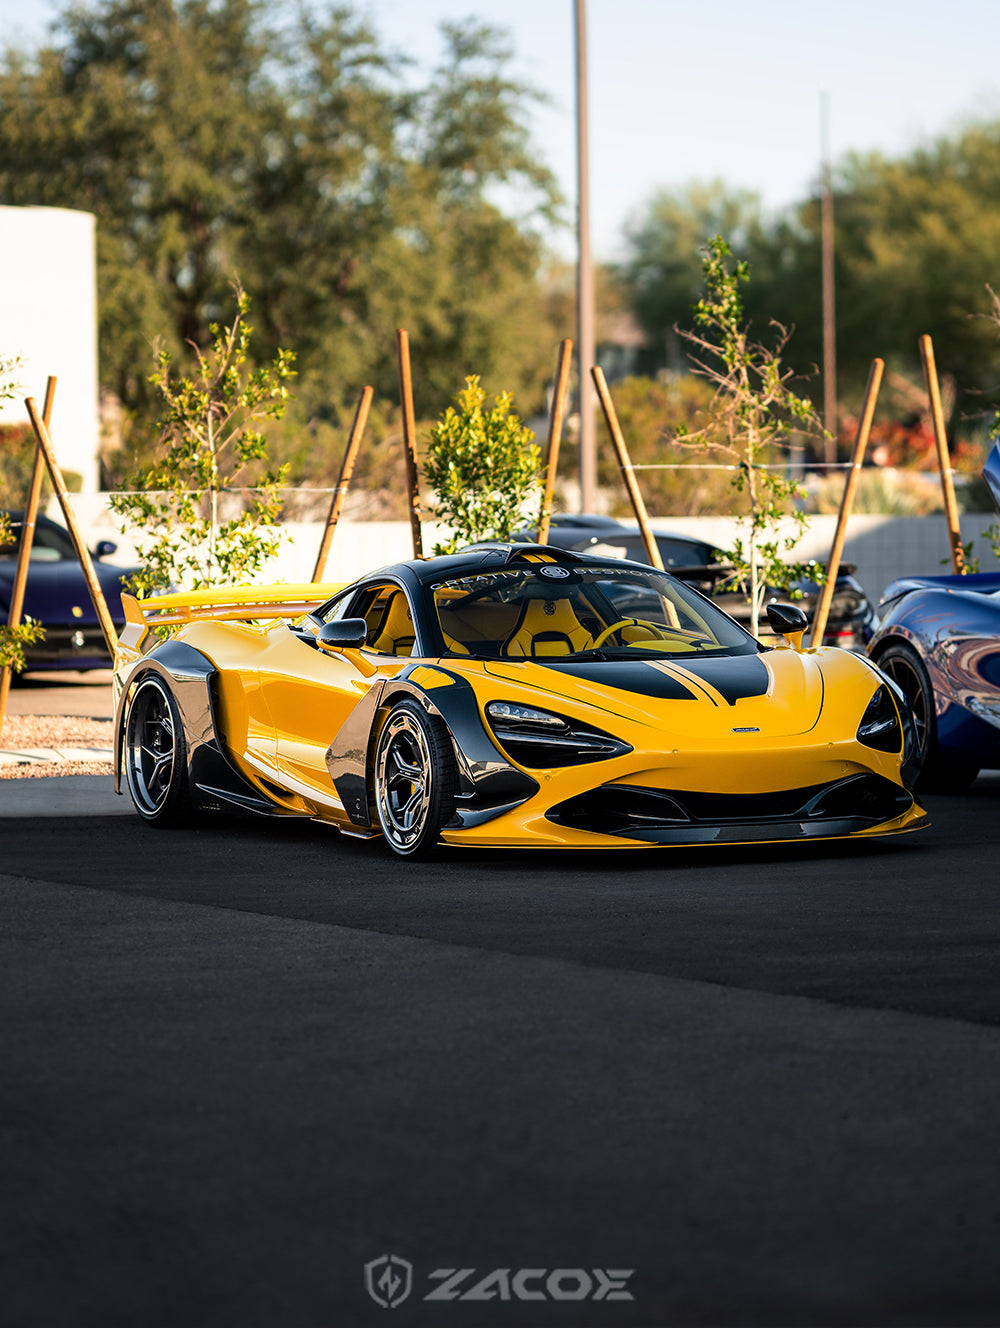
x=155, y=755
x=415, y=779
x=938, y=773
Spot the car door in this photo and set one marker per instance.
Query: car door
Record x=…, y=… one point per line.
x=311, y=693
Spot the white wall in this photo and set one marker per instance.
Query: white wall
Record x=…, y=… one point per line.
x=48, y=316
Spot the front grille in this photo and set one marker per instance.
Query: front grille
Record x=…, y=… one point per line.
x=678, y=814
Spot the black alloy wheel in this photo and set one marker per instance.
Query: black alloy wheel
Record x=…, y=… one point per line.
x=155, y=755
x=415, y=779
x=938, y=773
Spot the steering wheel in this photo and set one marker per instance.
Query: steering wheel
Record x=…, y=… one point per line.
x=658, y=633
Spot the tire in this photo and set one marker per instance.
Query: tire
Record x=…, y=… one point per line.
x=415, y=779
x=155, y=755
x=938, y=773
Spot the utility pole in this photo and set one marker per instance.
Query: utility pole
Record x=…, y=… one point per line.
x=829, y=311
x=584, y=275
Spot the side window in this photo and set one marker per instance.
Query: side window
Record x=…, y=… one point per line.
x=390, y=623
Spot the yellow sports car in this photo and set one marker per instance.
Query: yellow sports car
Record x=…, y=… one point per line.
x=508, y=696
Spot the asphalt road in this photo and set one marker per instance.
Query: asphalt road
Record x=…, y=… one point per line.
x=241, y=1062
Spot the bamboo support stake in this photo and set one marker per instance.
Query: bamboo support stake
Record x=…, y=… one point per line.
x=625, y=465
x=555, y=435
x=847, y=502
x=28, y=522
x=82, y=552
x=343, y=483
x=409, y=438
x=944, y=460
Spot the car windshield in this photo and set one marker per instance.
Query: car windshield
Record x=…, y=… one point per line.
x=604, y=612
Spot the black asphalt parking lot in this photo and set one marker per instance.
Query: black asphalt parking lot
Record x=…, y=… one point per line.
x=241, y=1062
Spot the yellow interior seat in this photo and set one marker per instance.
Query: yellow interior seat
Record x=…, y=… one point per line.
x=548, y=627
x=396, y=634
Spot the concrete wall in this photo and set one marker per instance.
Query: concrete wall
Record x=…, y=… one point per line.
x=48, y=316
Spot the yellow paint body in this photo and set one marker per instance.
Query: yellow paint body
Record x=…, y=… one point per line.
x=281, y=702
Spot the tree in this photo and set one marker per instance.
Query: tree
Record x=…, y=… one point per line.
x=221, y=138
x=752, y=411
x=483, y=466
x=663, y=273
x=209, y=442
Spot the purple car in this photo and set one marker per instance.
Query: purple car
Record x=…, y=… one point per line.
x=940, y=642
x=57, y=596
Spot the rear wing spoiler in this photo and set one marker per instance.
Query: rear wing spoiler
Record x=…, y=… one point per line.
x=222, y=603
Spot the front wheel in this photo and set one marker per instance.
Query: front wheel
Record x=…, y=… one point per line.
x=938, y=772
x=155, y=755
x=415, y=779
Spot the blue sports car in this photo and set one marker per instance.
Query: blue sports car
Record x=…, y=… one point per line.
x=57, y=596
x=940, y=642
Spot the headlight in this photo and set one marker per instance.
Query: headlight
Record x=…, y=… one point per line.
x=880, y=727
x=537, y=738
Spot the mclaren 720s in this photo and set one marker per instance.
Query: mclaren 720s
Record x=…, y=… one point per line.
x=509, y=696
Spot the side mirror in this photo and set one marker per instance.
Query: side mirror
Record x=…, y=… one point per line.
x=789, y=621
x=342, y=634
x=105, y=548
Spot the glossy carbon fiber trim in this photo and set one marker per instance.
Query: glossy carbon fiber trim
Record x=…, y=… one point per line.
x=215, y=783
x=348, y=755
x=488, y=784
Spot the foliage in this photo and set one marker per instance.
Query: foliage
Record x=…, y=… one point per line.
x=483, y=466
x=752, y=411
x=653, y=414
x=290, y=146
x=915, y=237
x=209, y=443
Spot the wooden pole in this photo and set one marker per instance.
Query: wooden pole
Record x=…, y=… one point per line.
x=343, y=483
x=555, y=435
x=847, y=502
x=28, y=522
x=625, y=465
x=944, y=460
x=82, y=552
x=409, y=438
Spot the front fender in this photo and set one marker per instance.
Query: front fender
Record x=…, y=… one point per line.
x=488, y=784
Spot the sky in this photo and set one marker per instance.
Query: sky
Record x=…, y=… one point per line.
x=729, y=90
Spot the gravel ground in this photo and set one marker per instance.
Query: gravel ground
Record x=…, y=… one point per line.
x=26, y=731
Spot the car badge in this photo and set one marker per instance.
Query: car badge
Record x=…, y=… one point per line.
x=556, y=573
x=747, y=730
x=77, y=611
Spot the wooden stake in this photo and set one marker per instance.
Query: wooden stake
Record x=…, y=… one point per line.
x=69, y=516
x=847, y=502
x=343, y=483
x=625, y=465
x=944, y=460
x=29, y=521
x=409, y=438
x=555, y=435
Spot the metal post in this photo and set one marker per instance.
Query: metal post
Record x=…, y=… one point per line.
x=829, y=308
x=343, y=483
x=625, y=465
x=555, y=435
x=409, y=438
x=944, y=460
x=847, y=502
x=584, y=274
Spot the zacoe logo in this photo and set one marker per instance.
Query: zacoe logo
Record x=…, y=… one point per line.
x=389, y=1281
